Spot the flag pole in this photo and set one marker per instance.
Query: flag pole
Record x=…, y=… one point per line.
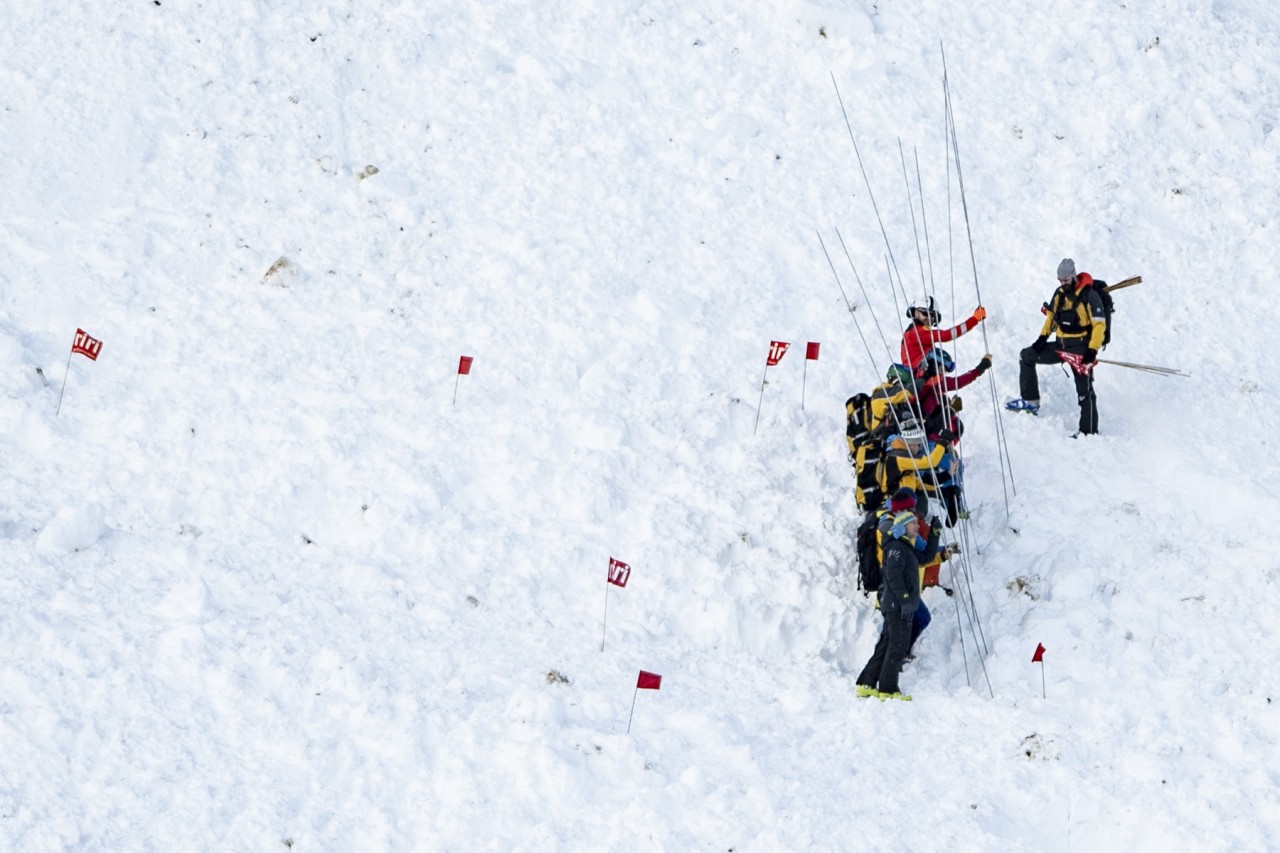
x=65, y=373
x=1043, y=695
x=606, y=614
x=803, y=377
x=634, y=694
x=456, y=376
x=763, y=380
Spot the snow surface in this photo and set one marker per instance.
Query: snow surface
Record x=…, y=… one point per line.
x=266, y=587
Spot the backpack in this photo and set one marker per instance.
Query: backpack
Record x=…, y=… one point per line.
x=857, y=430
x=868, y=553
x=1108, y=308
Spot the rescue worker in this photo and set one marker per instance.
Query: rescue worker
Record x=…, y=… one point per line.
x=1076, y=315
x=899, y=598
x=920, y=336
x=925, y=467
x=870, y=418
x=933, y=385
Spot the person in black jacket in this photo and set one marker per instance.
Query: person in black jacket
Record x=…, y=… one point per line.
x=899, y=598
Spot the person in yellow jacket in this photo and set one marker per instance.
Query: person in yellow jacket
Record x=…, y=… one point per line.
x=1077, y=316
x=870, y=417
x=917, y=464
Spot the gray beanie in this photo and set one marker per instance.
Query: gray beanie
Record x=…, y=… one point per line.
x=1066, y=268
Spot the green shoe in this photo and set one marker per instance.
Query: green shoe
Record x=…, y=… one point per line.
x=866, y=691
x=900, y=696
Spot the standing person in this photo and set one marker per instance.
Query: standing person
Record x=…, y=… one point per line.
x=920, y=336
x=1077, y=315
x=899, y=598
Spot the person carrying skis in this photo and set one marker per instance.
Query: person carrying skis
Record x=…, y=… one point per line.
x=899, y=597
x=1077, y=315
x=920, y=336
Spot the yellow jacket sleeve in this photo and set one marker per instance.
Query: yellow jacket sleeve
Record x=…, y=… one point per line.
x=1097, y=333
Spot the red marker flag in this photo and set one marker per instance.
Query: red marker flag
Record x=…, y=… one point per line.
x=1038, y=657
x=86, y=344
x=810, y=354
x=777, y=349
x=619, y=572
x=646, y=681
x=464, y=368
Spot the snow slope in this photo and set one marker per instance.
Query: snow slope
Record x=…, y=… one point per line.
x=265, y=585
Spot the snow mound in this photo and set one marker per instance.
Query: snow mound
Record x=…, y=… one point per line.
x=73, y=528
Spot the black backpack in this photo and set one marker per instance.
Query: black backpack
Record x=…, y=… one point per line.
x=1072, y=325
x=869, y=577
x=1108, y=307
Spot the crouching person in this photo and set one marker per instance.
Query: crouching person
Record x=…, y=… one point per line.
x=899, y=598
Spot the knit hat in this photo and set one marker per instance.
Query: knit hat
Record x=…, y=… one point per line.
x=913, y=435
x=1066, y=268
x=902, y=500
x=900, y=522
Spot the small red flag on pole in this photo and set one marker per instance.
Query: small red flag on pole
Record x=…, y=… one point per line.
x=88, y=346
x=810, y=354
x=777, y=349
x=646, y=681
x=1038, y=657
x=464, y=369
x=619, y=574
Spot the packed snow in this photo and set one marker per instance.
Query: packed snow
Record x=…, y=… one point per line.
x=275, y=576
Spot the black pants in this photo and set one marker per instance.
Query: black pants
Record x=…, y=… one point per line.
x=1029, y=382
x=881, y=671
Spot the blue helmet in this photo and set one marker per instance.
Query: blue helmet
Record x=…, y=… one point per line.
x=941, y=361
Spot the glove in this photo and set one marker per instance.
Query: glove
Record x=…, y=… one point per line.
x=1090, y=355
x=980, y=314
x=946, y=437
x=957, y=404
x=934, y=526
x=1040, y=344
x=985, y=364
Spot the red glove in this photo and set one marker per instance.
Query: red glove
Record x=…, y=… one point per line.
x=980, y=314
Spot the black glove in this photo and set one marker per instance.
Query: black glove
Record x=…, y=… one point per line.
x=984, y=365
x=934, y=526
x=1040, y=344
x=1090, y=355
x=946, y=437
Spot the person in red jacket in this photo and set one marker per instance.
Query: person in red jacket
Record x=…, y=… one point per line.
x=920, y=336
x=933, y=384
